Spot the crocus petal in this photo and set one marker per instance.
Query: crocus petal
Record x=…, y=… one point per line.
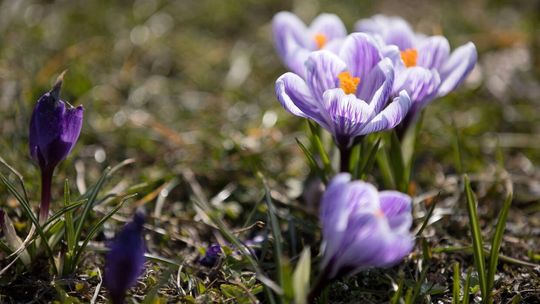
x=393, y=30
x=296, y=59
x=340, y=201
x=346, y=115
x=72, y=125
x=360, y=247
x=400, y=33
x=323, y=67
x=459, y=65
x=288, y=30
x=433, y=52
x=421, y=85
x=396, y=207
x=295, y=97
x=377, y=86
x=335, y=45
x=333, y=200
x=329, y=25
x=397, y=247
x=361, y=54
x=390, y=117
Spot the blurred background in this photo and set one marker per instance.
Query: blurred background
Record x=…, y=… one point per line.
x=189, y=84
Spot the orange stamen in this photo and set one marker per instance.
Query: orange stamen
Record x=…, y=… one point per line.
x=409, y=57
x=320, y=40
x=348, y=83
x=379, y=213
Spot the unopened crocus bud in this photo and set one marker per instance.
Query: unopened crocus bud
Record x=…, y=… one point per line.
x=363, y=228
x=124, y=262
x=211, y=256
x=54, y=129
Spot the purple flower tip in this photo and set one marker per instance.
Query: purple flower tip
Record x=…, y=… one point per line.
x=124, y=262
x=54, y=128
x=363, y=228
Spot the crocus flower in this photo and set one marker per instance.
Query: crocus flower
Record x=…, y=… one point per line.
x=349, y=94
x=124, y=262
x=363, y=228
x=294, y=40
x=54, y=129
x=423, y=64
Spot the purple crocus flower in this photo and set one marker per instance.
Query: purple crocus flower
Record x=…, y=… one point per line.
x=54, y=129
x=349, y=94
x=294, y=40
x=124, y=262
x=423, y=64
x=363, y=228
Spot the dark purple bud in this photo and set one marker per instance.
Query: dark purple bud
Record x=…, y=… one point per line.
x=54, y=129
x=211, y=257
x=124, y=262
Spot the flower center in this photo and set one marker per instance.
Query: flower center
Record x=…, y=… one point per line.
x=348, y=83
x=379, y=213
x=409, y=57
x=320, y=40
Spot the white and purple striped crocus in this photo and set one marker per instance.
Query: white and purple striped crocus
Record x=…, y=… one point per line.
x=424, y=65
x=55, y=126
x=124, y=262
x=347, y=94
x=363, y=228
x=294, y=40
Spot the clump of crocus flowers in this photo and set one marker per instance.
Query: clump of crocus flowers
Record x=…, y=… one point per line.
x=55, y=127
x=124, y=262
x=376, y=79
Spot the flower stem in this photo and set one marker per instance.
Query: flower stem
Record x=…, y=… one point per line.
x=46, y=179
x=345, y=159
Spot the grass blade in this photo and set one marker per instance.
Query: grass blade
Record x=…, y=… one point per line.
x=456, y=283
x=97, y=226
x=89, y=203
x=28, y=211
x=465, y=299
x=478, y=251
x=497, y=240
x=276, y=232
x=68, y=217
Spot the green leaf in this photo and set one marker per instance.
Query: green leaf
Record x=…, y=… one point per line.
x=478, y=252
x=398, y=165
x=301, y=277
x=367, y=163
x=312, y=162
x=316, y=141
